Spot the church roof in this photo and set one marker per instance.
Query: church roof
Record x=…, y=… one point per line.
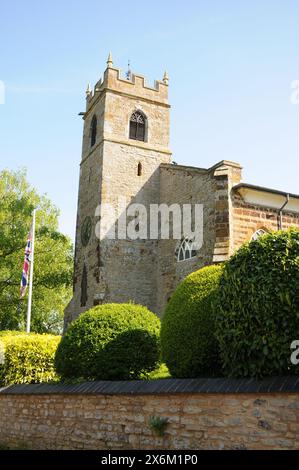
x=264, y=189
x=267, y=197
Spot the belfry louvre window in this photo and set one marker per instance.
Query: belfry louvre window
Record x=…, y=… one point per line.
x=137, y=126
x=93, y=131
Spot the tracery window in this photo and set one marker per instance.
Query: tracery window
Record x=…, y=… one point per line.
x=258, y=234
x=138, y=126
x=186, y=249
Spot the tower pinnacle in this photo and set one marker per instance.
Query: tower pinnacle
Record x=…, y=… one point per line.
x=88, y=90
x=109, y=60
x=165, y=78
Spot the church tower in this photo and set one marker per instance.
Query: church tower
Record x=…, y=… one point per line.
x=125, y=139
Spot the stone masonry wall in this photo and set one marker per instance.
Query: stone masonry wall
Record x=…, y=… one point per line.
x=130, y=266
x=125, y=270
x=184, y=185
x=211, y=188
x=196, y=421
x=88, y=200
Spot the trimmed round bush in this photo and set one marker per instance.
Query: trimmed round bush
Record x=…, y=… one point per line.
x=258, y=307
x=189, y=348
x=110, y=342
x=27, y=358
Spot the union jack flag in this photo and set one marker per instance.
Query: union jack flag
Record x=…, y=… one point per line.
x=27, y=259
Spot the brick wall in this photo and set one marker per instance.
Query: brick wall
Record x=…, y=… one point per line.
x=92, y=416
x=248, y=218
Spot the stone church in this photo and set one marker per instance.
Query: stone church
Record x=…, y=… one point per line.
x=125, y=153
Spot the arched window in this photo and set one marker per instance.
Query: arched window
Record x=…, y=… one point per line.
x=186, y=250
x=93, y=131
x=84, y=287
x=139, y=169
x=138, y=126
x=258, y=234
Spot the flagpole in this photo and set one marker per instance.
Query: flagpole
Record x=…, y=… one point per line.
x=31, y=275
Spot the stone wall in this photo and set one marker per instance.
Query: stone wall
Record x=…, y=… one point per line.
x=119, y=270
x=226, y=174
x=88, y=200
x=184, y=185
x=129, y=270
x=211, y=188
x=201, y=413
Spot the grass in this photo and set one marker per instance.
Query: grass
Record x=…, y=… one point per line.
x=161, y=372
x=3, y=447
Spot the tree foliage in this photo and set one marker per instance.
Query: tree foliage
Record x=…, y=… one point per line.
x=53, y=256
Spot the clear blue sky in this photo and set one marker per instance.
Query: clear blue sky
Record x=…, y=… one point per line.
x=230, y=64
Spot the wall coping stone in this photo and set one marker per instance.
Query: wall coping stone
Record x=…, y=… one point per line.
x=287, y=384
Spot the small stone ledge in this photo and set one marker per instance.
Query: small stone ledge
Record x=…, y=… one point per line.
x=166, y=386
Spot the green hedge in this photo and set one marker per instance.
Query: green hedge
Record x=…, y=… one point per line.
x=11, y=333
x=28, y=358
x=258, y=307
x=189, y=347
x=111, y=341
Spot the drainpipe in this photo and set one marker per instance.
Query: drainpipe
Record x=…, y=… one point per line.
x=280, y=212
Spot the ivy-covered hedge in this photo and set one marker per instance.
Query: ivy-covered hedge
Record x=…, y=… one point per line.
x=110, y=341
x=189, y=347
x=258, y=307
x=27, y=358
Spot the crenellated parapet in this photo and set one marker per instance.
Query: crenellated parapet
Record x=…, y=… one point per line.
x=134, y=85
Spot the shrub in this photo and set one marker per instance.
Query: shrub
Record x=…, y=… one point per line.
x=110, y=341
x=28, y=358
x=258, y=307
x=187, y=332
x=11, y=333
x=158, y=425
